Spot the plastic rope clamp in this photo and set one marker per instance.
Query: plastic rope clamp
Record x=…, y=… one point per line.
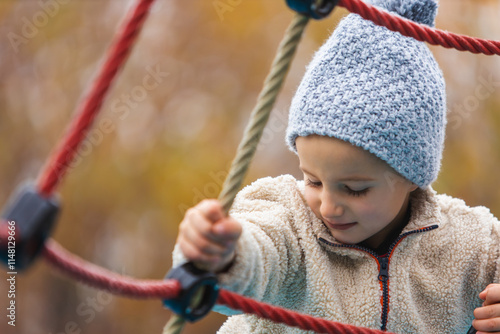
x=472, y=330
x=27, y=221
x=316, y=9
x=192, y=279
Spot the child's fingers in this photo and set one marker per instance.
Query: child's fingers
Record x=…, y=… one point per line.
x=487, y=312
x=204, y=241
x=227, y=230
x=211, y=257
x=211, y=209
x=482, y=295
x=208, y=217
x=491, y=295
x=491, y=325
x=195, y=219
x=194, y=254
x=207, y=237
x=222, y=232
x=487, y=317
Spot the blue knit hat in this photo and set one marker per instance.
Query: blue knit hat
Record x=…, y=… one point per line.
x=378, y=90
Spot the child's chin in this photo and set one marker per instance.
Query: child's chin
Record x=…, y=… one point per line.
x=346, y=241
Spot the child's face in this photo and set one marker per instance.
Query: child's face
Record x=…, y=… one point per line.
x=358, y=196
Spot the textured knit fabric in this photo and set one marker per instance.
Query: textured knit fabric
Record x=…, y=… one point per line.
x=286, y=256
x=377, y=90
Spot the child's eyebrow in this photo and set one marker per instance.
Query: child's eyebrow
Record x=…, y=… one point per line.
x=305, y=170
x=357, y=179
x=351, y=178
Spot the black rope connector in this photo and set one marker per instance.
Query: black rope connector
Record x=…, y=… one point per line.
x=316, y=9
x=472, y=330
x=28, y=219
x=192, y=280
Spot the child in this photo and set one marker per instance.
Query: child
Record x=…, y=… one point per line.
x=363, y=239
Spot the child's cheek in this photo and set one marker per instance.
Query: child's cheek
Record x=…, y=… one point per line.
x=369, y=212
x=312, y=199
x=378, y=211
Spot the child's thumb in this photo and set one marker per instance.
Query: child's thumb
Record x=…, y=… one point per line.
x=483, y=294
x=211, y=209
x=228, y=229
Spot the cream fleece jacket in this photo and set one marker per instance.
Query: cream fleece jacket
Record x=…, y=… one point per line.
x=446, y=255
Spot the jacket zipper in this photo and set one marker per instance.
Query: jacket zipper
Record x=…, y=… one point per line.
x=383, y=264
x=383, y=277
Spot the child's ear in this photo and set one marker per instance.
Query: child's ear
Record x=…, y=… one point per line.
x=413, y=187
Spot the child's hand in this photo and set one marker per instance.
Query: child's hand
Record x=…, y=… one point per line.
x=488, y=316
x=207, y=237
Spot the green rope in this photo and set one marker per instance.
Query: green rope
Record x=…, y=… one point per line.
x=260, y=114
x=255, y=128
x=174, y=325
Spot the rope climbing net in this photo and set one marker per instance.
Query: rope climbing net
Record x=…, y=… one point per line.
x=60, y=160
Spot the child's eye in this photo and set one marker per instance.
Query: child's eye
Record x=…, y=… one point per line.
x=355, y=193
x=314, y=184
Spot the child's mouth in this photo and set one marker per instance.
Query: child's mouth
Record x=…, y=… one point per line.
x=341, y=227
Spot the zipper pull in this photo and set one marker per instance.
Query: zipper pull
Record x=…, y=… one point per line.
x=383, y=274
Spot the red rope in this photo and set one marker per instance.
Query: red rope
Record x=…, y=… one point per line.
x=60, y=160
x=288, y=317
x=101, y=278
x=421, y=32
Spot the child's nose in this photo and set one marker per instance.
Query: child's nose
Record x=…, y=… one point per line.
x=331, y=207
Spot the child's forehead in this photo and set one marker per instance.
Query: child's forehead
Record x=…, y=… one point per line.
x=331, y=147
x=342, y=157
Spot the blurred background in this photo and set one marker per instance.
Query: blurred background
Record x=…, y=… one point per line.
x=160, y=147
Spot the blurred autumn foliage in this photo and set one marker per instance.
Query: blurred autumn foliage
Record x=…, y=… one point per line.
x=170, y=127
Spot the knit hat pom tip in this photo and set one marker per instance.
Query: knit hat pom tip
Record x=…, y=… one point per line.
x=420, y=11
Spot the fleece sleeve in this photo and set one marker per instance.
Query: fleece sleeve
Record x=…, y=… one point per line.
x=268, y=252
x=484, y=232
